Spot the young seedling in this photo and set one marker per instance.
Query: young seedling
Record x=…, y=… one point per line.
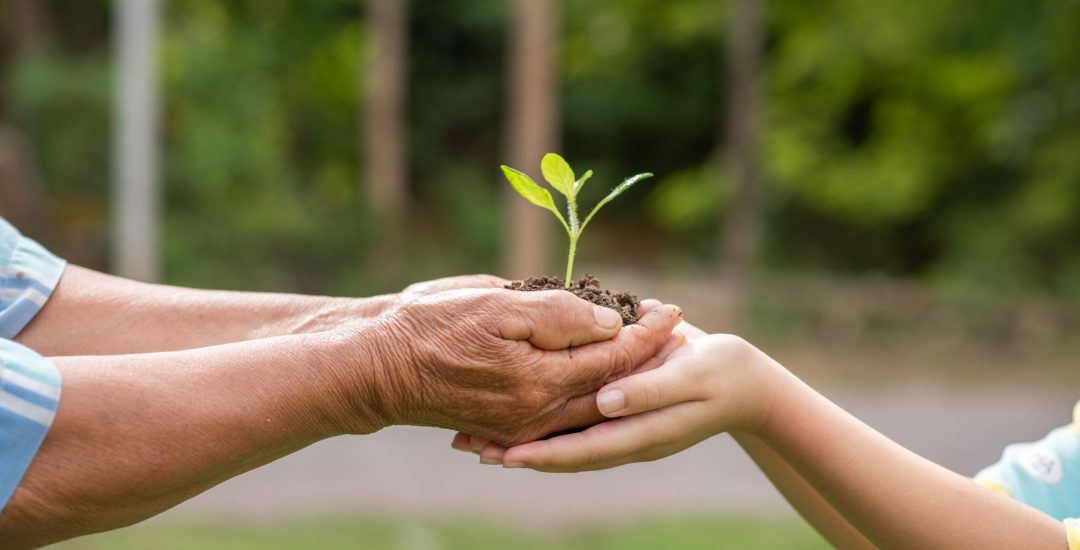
x=558, y=173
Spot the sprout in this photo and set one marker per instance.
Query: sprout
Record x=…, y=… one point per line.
x=558, y=173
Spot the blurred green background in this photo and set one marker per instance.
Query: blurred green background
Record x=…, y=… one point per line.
x=937, y=141
x=915, y=174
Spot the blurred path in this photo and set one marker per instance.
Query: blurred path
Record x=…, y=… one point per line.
x=413, y=471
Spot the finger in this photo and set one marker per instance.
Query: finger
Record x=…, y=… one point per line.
x=673, y=343
x=557, y=319
x=492, y=453
x=579, y=412
x=690, y=331
x=648, y=305
x=613, y=443
x=476, y=443
x=589, y=367
x=650, y=390
x=461, y=442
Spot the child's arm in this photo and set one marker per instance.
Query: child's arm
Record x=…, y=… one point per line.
x=894, y=497
x=799, y=494
x=802, y=496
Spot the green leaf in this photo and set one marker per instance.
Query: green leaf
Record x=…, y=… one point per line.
x=581, y=182
x=526, y=187
x=622, y=187
x=558, y=173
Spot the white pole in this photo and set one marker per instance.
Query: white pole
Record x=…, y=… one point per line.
x=135, y=192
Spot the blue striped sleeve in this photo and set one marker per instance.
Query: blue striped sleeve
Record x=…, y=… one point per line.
x=28, y=275
x=29, y=396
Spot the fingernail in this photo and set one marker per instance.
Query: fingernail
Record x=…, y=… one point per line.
x=513, y=465
x=606, y=317
x=489, y=460
x=611, y=401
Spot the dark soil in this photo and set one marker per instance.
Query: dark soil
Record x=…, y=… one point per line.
x=588, y=288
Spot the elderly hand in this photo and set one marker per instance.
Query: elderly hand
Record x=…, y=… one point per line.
x=425, y=288
x=493, y=453
x=506, y=365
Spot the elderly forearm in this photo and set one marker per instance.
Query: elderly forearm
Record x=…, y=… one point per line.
x=126, y=445
x=802, y=497
x=98, y=314
x=894, y=497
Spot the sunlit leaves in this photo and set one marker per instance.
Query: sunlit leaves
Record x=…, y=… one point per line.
x=558, y=173
x=526, y=187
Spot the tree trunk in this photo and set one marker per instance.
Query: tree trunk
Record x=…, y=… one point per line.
x=20, y=190
x=23, y=27
x=532, y=131
x=136, y=197
x=385, y=124
x=742, y=232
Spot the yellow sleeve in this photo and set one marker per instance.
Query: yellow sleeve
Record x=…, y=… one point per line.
x=1072, y=531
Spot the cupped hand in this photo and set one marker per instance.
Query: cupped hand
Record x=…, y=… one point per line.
x=710, y=385
x=714, y=384
x=505, y=365
x=491, y=453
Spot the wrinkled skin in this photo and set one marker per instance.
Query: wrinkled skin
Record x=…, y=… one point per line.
x=458, y=282
x=508, y=366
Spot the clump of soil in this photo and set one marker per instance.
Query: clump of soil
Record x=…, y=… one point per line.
x=588, y=288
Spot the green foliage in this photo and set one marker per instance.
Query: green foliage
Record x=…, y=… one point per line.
x=687, y=201
x=915, y=139
x=558, y=173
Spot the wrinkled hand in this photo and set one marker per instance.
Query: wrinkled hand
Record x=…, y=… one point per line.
x=425, y=288
x=491, y=453
x=508, y=366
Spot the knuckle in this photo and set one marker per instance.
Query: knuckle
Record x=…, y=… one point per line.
x=621, y=361
x=660, y=437
x=733, y=347
x=652, y=396
x=699, y=374
x=562, y=301
x=592, y=458
x=591, y=455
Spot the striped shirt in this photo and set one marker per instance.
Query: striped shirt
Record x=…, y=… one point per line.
x=29, y=383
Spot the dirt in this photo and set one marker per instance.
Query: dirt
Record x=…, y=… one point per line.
x=588, y=288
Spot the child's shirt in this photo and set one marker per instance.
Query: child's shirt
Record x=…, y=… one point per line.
x=1044, y=474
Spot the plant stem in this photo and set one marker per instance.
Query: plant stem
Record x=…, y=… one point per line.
x=575, y=232
x=570, y=260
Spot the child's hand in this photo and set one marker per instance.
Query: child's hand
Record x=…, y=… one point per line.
x=714, y=384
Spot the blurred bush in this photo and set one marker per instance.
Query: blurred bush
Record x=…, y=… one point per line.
x=933, y=140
